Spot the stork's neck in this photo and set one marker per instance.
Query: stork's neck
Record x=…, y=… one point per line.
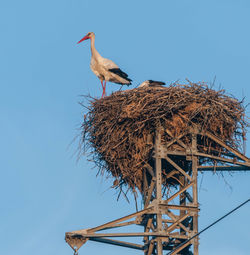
x=94, y=52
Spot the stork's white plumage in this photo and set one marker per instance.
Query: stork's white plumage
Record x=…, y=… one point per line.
x=103, y=68
x=151, y=83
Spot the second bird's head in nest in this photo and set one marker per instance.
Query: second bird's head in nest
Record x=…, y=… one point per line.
x=89, y=35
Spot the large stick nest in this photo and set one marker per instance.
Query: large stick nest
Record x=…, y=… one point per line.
x=119, y=128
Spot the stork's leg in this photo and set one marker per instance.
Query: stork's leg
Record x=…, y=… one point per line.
x=103, y=89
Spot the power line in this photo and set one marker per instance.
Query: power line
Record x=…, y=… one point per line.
x=209, y=226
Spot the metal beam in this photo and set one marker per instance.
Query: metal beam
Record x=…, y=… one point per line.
x=158, y=175
x=117, y=243
x=136, y=234
x=177, y=167
x=232, y=161
x=179, y=192
x=223, y=144
x=195, y=191
x=223, y=168
x=111, y=224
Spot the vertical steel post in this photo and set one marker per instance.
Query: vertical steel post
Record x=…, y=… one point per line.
x=195, y=191
x=182, y=200
x=158, y=170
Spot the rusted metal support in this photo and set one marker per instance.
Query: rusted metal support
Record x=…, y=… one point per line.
x=223, y=168
x=117, y=243
x=223, y=144
x=195, y=191
x=158, y=173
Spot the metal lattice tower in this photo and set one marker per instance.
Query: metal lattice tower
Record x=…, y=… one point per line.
x=168, y=222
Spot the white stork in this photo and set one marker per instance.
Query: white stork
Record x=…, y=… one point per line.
x=151, y=83
x=103, y=68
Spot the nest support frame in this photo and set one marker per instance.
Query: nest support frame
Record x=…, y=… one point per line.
x=169, y=224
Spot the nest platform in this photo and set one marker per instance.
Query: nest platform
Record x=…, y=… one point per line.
x=119, y=129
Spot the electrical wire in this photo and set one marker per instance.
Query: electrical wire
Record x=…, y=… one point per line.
x=209, y=226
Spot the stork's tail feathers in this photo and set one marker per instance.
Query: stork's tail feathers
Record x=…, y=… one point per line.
x=123, y=75
x=129, y=82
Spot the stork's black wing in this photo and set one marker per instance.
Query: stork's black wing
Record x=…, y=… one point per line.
x=156, y=83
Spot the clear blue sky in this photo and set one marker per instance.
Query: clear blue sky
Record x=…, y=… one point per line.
x=43, y=191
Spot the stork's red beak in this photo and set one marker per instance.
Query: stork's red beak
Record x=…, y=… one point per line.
x=84, y=38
